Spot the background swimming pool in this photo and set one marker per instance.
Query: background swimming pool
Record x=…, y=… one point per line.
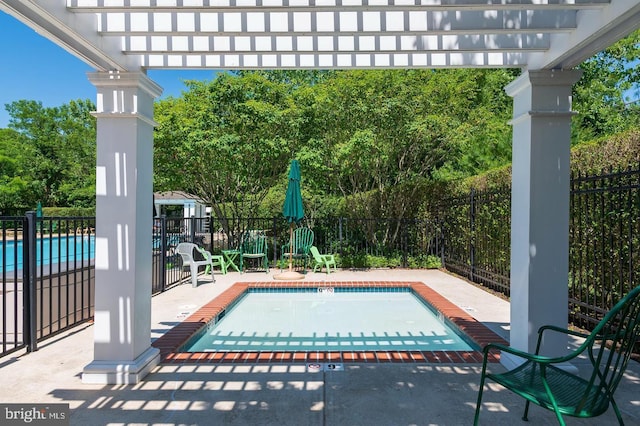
x=49, y=250
x=345, y=321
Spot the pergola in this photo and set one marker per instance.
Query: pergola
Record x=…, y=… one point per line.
x=121, y=39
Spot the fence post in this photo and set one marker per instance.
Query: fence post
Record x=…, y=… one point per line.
x=163, y=251
x=29, y=281
x=192, y=233
x=275, y=242
x=405, y=242
x=441, y=240
x=340, y=236
x=472, y=235
x=210, y=228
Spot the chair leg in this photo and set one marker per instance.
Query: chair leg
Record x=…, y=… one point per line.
x=618, y=415
x=479, y=402
x=194, y=275
x=525, y=416
x=483, y=378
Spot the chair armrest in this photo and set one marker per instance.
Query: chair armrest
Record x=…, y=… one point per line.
x=540, y=359
x=561, y=330
x=556, y=329
x=207, y=255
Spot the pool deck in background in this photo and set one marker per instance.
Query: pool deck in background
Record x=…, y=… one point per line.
x=277, y=393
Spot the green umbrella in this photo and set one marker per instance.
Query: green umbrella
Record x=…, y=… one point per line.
x=293, y=210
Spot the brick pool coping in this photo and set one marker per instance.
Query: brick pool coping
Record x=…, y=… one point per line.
x=170, y=343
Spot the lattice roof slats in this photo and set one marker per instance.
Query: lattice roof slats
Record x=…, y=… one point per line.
x=130, y=34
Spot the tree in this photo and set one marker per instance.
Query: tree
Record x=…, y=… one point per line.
x=59, y=144
x=15, y=182
x=599, y=96
x=382, y=133
x=226, y=141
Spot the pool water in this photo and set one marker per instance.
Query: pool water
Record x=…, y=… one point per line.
x=330, y=320
x=48, y=251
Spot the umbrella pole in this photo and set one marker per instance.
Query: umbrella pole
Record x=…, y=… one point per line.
x=290, y=247
x=290, y=274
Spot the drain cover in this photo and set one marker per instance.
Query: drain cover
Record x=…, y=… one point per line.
x=331, y=366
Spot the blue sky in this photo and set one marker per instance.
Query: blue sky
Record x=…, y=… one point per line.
x=34, y=68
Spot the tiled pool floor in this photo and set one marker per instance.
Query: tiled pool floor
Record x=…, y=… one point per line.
x=171, y=342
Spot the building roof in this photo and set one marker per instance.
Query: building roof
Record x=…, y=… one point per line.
x=175, y=197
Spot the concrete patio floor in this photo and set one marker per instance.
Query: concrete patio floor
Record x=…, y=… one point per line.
x=285, y=394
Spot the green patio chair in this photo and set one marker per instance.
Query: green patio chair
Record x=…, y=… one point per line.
x=322, y=260
x=254, y=247
x=543, y=381
x=299, y=246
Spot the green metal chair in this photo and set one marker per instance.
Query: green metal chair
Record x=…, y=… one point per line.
x=254, y=247
x=299, y=246
x=322, y=260
x=542, y=380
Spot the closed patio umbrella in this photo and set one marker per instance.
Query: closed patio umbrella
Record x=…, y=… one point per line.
x=293, y=212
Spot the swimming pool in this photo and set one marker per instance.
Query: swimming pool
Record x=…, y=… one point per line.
x=50, y=250
x=172, y=344
x=329, y=318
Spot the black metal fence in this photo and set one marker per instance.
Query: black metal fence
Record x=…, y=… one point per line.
x=604, y=249
x=604, y=240
x=476, y=232
x=47, y=271
x=406, y=240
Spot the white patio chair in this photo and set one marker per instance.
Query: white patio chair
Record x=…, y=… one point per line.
x=187, y=252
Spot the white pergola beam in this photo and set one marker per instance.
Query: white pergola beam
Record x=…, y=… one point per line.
x=333, y=60
x=336, y=20
x=100, y=6
x=596, y=31
x=73, y=32
x=529, y=34
x=186, y=45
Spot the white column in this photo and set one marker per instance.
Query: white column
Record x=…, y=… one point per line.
x=124, y=210
x=540, y=207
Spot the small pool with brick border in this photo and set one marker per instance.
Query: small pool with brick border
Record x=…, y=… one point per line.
x=318, y=322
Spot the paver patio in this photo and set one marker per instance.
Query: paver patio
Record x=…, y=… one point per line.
x=285, y=393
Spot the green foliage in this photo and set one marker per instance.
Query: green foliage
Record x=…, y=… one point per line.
x=16, y=190
x=616, y=151
x=68, y=211
x=52, y=155
x=376, y=143
x=370, y=138
x=424, y=262
x=226, y=141
x=599, y=97
x=365, y=261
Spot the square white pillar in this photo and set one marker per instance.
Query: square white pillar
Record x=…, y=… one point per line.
x=124, y=220
x=540, y=206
